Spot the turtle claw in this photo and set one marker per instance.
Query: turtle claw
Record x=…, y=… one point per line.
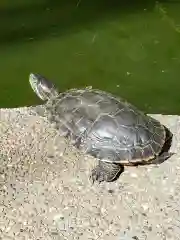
x=97, y=175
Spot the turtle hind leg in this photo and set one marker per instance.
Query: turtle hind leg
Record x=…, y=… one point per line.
x=165, y=153
x=105, y=171
x=162, y=158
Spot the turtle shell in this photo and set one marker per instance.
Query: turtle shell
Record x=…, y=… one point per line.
x=106, y=127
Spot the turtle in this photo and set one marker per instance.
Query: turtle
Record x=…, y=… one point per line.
x=104, y=126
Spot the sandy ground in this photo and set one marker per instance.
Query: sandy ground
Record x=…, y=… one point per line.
x=45, y=191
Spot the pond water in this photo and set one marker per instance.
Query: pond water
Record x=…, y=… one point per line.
x=131, y=49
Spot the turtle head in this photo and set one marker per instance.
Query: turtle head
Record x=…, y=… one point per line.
x=43, y=88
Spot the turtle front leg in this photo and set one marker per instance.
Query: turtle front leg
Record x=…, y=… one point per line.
x=105, y=171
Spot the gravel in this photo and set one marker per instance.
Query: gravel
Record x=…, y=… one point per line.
x=45, y=191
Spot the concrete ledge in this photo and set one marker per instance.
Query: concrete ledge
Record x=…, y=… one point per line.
x=45, y=192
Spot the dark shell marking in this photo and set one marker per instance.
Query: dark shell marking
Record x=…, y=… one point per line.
x=107, y=127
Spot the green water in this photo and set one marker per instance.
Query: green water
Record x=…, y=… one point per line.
x=132, y=50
